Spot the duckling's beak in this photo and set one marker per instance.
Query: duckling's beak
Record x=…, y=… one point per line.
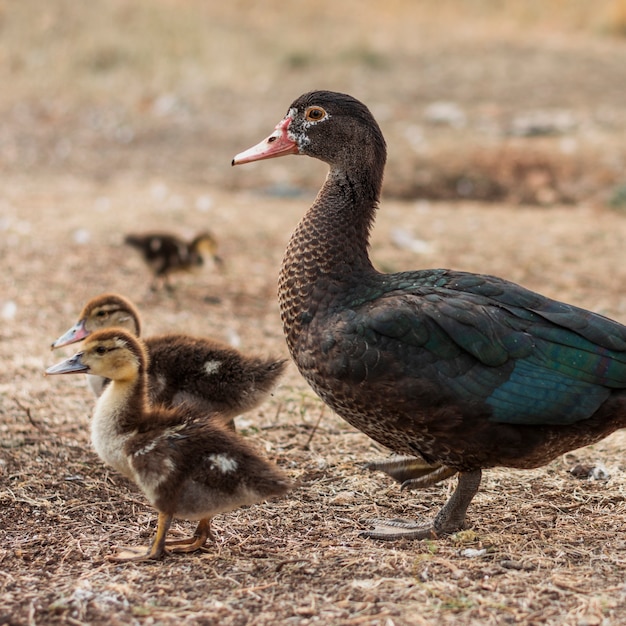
x=73, y=365
x=77, y=333
x=276, y=145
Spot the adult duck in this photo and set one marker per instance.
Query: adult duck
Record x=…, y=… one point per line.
x=187, y=464
x=460, y=371
x=183, y=368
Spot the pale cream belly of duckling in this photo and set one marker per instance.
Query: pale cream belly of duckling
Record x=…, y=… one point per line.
x=106, y=437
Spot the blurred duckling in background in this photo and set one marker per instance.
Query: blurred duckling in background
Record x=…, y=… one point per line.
x=188, y=466
x=166, y=254
x=182, y=367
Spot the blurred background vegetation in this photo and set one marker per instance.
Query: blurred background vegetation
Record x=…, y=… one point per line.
x=517, y=101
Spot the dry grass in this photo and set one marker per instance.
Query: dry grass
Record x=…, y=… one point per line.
x=124, y=117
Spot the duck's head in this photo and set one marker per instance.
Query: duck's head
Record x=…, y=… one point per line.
x=105, y=311
x=112, y=352
x=330, y=126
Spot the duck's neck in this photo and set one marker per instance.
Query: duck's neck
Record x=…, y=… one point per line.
x=329, y=246
x=118, y=414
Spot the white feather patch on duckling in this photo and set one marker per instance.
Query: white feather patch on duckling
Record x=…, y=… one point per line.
x=210, y=367
x=223, y=463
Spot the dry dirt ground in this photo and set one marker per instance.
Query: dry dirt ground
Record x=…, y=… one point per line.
x=113, y=124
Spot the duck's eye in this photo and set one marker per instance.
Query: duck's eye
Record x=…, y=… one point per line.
x=101, y=350
x=315, y=114
x=101, y=314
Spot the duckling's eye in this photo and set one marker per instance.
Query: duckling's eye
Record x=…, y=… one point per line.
x=315, y=114
x=101, y=314
x=101, y=350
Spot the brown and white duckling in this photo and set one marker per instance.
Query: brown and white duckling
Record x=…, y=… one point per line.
x=188, y=466
x=182, y=367
x=165, y=253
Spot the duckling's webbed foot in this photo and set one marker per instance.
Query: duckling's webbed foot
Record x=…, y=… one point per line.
x=448, y=520
x=154, y=552
x=196, y=541
x=131, y=553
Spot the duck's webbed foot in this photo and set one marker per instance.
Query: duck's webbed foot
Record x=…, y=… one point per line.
x=448, y=520
x=393, y=529
x=411, y=472
x=428, y=480
x=402, y=468
x=196, y=541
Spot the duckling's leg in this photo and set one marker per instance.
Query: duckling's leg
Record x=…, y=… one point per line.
x=156, y=550
x=167, y=283
x=155, y=284
x=448, y=520
x=196, y=541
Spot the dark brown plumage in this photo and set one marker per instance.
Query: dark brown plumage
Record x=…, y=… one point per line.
x=166, y=254
x=187, y=464
x=460, y=371
x=182, y=367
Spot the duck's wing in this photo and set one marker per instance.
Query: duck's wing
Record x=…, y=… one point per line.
x=532, y=360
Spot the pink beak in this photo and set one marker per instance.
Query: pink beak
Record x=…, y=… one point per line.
x=276, y=145
x=78, y=332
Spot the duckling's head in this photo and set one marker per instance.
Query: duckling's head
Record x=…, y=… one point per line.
x=205, y=245
x=105, y=311
x=112, y=352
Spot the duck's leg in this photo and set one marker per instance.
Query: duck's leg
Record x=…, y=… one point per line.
x=448, y=520
x=196, y=541
x=156, y=550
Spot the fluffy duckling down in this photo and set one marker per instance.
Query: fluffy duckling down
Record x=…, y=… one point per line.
x=181, y=367
x=166, y=254
x=188, y=465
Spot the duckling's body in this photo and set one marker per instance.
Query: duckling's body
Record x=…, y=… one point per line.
x=183, y=368
x=166, y=254
x=187, y=464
